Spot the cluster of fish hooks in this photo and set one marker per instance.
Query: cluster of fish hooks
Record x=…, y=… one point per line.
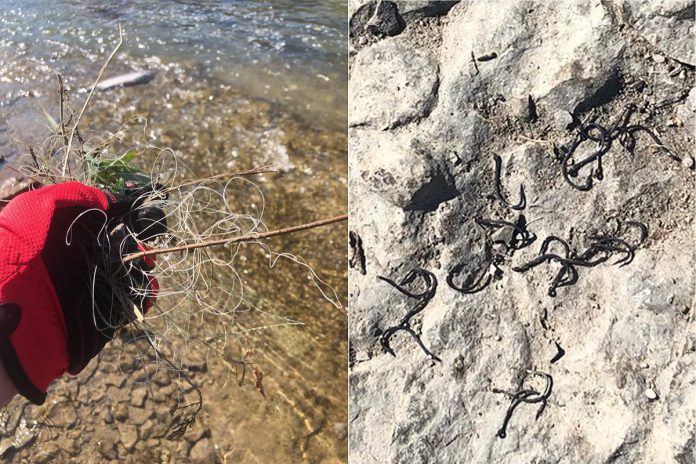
x=601, y=248
x=521, y=238
x=624, y=132
x=423, y=298
x=599, y=251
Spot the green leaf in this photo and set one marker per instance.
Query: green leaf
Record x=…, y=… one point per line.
x=129, y=156
x=113, y=174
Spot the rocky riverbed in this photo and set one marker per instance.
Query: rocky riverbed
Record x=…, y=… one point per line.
x=118, y=409
x=436, y=90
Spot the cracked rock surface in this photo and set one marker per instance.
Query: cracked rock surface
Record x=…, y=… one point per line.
x=407, y=82
x=430, y=108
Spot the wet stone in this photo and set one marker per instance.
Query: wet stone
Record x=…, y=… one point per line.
x=138, y=416
x=183, y=447
x=161, y=378
x=165, y=393
x=118, y=394
x=197, y=366
x=48, y=453
x=203, y=452
x=386, y=21
x=138, y=396
x=106, y=447
x=23, y=435
x=107, y=416
x=159, y=428
x=165, y=456
x=424, y=8
x=5, y=444
x=63, y=415
x=127, y=365
x=120, y=412
x=199, y=431
x=128, y=434
x=341, y=430
x=146, y=430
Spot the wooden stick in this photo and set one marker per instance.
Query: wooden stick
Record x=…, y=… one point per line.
x=241, y=238
x=24, y=174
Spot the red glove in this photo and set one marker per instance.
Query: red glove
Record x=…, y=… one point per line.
x=55, y=316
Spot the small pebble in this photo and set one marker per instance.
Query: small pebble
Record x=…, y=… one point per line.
x=562, y=119
x=643, y=365
x=341, y=430
x=657, y=58
x=688, y=162
x=650, y=393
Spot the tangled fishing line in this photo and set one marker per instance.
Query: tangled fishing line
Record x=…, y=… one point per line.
x=200, y=294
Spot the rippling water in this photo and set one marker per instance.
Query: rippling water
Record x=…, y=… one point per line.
x=238, y=84
x=289, y=51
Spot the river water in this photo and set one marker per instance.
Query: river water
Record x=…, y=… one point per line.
x=238, y=84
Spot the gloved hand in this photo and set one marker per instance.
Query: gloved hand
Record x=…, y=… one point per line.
x=62, y=292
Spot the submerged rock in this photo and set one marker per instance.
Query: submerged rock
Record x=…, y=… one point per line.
x=127, y=80
x=128, y=434
x=202, y=452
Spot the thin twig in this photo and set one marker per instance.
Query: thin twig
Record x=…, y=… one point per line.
x=24, y=174
x=34, y=159
x=241, y=238
x=248, y=172
x=530, y=139
x=94, y=86
x=61, y=93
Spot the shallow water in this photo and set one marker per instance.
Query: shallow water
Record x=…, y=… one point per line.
x=287, y=51
x=238, y=84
